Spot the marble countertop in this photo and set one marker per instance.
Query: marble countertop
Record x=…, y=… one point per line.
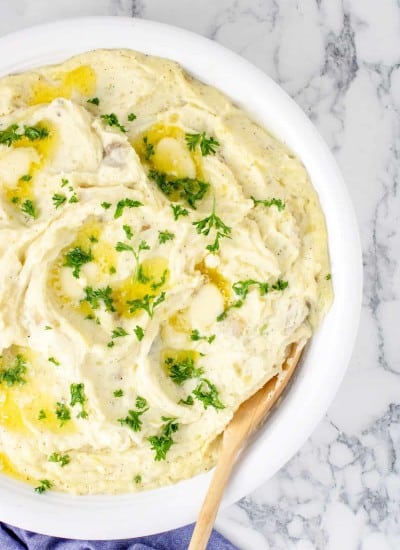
x=340, y=61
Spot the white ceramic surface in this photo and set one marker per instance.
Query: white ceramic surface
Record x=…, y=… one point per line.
x=107, y=517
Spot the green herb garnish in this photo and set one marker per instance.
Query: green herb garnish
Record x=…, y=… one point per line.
x=112, y=120
x=119, y=332
x=164, y=236
x=125, y=203
x=207, y=393
x=270, y=202
x=42, y=415
x=26, y=177
x=178, y=211
x=94, y=101
x=190, y=189
x=28, y=207
x=96, y=295
x=208, y=145
x=53, y=360
x=76, y=258
x=58, y=200
x=63, y=413
x=45, y=484
x=161, y=444
x=195, y=335
x=133, y=419
x=212, y=221
x=188, y=401
x=14, y=375
x=128, y=231
x=78, y=397
x=137, y=479
x=148, y=303
x=149, y=149
x=118, y=393
x=180, y=371
x=139, y=332
x=58, y=457
x=106, y=205
x=131, y=117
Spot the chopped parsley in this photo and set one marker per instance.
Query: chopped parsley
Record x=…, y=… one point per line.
x=148, y=303
x=62, y=413
x=32, y=133
x=106, y=205
x=112, y=120
x=137, y=479
x=133, y=419
x=28, y=207
x=212, y=221
x=328, y=277
x=118, y=393
x=164, y=236
x=125, y=203
x=58, y=457
x=42, y=414
x=45, y=484
x=14, y=375
x=190, y=189
x=188, y=401
x=139, y=332
x=180, y=371
x=207, y=393
x=280, y=205
x=131, y=117
x=195, y=335
x=78, y=397
x=178, y=211
x=119, y=332
x=128, y=231
x=64, y=182
x=53, y=360
x=148, y=148
x=94, y=101
x=161, y=444
x=96, y=295
x=241, y=289
x=123, y=247
x=208, y=145
x=58, y=199
x=76, y=258
x=26, y=177
x=47, y=327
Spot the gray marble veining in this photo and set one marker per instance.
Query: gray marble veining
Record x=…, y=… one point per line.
x=340, y=61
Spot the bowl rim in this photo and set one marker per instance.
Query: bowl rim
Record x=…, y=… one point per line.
x=327, y=356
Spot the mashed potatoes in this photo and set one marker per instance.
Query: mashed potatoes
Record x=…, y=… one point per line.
x=159, y=254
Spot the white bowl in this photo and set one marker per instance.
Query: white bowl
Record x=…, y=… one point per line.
x=327, y=356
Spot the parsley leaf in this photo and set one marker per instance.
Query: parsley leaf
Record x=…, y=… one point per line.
x=119, y=332
x=270, y=202
x=58, y=199
x=164, y=236
x=123, y=247
x=42, y=415
x=26, y=177
x=212, y=221
x=76, y=258
x=207, y=393
x=139, y=333
x=280, y=285
x=78, y=397
x=58, y=457
x=9, y=135
x=180, y=371
x=106, y=205
x=137, y=479
x=148, y=303
x=161, y=444
x=118, y=393
x=178, y=211
x=131, y=117
x=188, y=401
x=94, y=101
x=62, y=413
x=208, y=145
x=149, y=148
x=14, y=375
x=128, y=231
x=190, y=189
x=95, y=295
x=45, y=484
x=34, y=133
x=112, y=120
x=125, y=203
x=53, y=360
x=133, y=419
x=28, y=207
x=328, y=277
x=195, y=335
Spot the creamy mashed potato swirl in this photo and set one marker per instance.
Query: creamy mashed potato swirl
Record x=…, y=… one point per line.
x=159, y=255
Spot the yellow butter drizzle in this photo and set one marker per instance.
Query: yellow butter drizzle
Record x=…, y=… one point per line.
x=81, y=80
x=214, y=277
x=9, y=469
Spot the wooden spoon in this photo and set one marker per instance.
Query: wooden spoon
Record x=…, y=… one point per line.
x=246, y=419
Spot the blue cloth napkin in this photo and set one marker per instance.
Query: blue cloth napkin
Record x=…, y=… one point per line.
x=12, y=538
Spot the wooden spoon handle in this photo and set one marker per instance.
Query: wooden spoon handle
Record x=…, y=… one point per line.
x=244, y=422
